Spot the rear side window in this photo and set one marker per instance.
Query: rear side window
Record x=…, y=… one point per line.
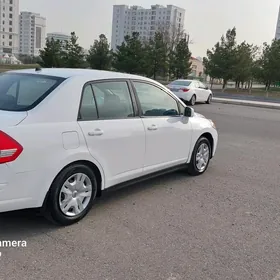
x=113, y=100
x=22, y=92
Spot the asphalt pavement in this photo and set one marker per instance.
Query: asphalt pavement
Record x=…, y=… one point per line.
x=222, y=225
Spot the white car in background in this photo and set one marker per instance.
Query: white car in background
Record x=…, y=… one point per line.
x=66, y=135
x=191, y=91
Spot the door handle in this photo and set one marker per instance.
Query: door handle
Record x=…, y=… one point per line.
x=96, y=132
x=152, y=127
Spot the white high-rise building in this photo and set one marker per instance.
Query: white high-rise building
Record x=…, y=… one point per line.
x=32, y=33
x=277, y=33
x=146, y=22
x=9, y=31
x=62, y=37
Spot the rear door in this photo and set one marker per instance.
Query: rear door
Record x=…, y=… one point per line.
x=168, y=133
x=198, y=91
x=114, y=133
x=205, y=93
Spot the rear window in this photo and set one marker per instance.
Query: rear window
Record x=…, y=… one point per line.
x=181, y=83
x=22, y=92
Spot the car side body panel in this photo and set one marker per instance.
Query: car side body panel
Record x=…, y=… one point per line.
x=53, y=138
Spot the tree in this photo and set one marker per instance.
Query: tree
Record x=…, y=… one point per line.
x=270, y=64
x=212, y=63
x=156, y=54
x=221, y=61
x=245, y=57
x=73, y=54
x=129, y=56
x=51, y=54
x=100, y=55
x=180, y=64
x=171, y=36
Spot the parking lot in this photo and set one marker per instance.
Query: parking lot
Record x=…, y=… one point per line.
x=222, y=225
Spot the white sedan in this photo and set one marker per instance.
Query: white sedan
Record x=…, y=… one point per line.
x=66, y=135
x=191, y=91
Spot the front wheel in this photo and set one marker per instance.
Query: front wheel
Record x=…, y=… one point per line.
x=200, y=157
x=71, y=195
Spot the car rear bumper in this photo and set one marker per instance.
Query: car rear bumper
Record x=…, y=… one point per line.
x=184, y=96
x=20, y=190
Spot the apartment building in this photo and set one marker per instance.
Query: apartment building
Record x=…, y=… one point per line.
x=146, y=22
x=9, y=26
x=58, y=36
x=277, y=33
x=197, y=67
x=32, y=33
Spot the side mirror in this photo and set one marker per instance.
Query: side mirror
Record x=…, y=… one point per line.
x=206, y=87
x=189, y=112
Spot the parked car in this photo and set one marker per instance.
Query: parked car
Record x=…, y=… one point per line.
x=66, y=135
x=191, y=91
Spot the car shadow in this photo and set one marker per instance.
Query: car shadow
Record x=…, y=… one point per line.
x=30, y=222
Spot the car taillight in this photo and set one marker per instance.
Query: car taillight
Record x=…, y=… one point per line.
x=10, y=149
x=184, y=89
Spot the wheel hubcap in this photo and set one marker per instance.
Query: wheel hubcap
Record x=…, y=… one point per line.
x=75, y=194
x=202, y=157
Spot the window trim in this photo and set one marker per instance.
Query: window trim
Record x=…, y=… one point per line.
x=82, y=96
x=130, y=91
x=157, y=86
x=59, y=80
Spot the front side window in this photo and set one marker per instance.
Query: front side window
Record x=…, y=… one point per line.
x=154, y=101
x=21, y=92
x=113, y=100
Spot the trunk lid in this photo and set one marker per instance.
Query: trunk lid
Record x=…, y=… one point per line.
x=177, y=88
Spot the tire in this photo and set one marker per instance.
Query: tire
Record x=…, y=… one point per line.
x=193, y=167
x=209, y=99
x=82, y=188
x=192, y=100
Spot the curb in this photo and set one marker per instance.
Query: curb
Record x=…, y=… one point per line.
x=266, y=105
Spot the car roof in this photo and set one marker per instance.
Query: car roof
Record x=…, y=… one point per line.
x=91, y=74
x=182, y=80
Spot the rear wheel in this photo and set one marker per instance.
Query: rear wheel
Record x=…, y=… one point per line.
x=209, y=100
x=200, y=157
x=71, y=195
x=193, y=100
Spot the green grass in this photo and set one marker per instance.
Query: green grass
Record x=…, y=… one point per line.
x=8, y=67
x=273, y=92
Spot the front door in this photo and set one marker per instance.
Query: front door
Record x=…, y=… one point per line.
x=114, y=135
x=168, y=133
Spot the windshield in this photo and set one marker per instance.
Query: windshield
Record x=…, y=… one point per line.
x=181, y=83
x=22, y=92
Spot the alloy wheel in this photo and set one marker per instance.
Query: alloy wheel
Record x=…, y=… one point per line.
x=202, y=157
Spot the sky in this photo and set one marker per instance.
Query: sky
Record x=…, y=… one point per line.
x=205, y=20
